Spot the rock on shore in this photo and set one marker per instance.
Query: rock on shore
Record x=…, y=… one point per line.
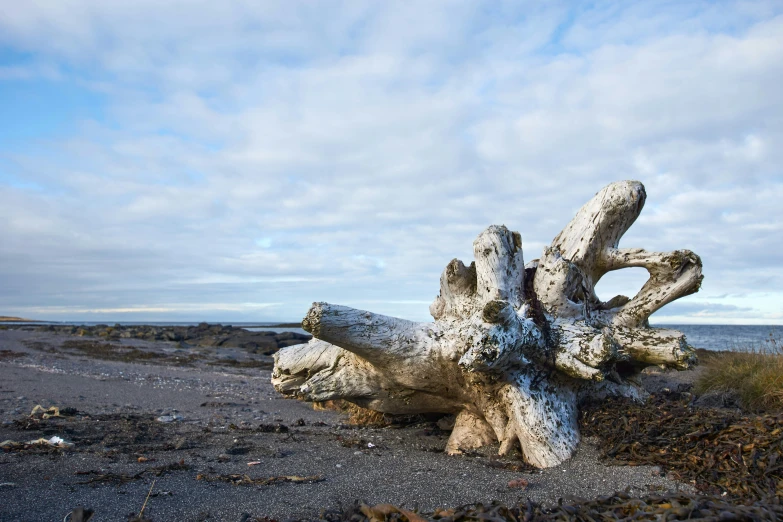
x=212, y=335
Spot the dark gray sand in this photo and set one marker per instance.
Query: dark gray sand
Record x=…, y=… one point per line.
x=226, y=416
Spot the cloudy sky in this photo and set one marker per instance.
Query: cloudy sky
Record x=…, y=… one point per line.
x=238, y=160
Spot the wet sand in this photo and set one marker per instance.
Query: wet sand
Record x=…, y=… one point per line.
x=191, y=418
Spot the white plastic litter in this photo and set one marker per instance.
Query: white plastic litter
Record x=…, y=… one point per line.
x=54, y=441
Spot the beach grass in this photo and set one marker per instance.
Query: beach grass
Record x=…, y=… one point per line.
x=754, y=373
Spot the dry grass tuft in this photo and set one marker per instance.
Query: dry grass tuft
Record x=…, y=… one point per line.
x=755, y=374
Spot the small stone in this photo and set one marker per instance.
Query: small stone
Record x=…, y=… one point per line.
x=169, y=418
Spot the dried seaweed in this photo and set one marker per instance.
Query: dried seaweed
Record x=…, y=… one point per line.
x=246, y=480
x=101, y=477
x=617, y=507
x=721, y=451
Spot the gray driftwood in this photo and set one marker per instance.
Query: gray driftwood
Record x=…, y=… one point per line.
x=514, y=347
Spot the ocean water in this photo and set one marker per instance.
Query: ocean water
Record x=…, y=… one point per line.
x=709, y=337
x=731, y=337
x=277, y=329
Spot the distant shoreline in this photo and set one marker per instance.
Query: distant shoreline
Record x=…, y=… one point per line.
x=11, y=319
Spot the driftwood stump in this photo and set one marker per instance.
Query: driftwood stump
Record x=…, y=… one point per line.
x=514, y=347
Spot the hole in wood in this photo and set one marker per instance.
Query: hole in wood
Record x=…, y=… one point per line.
x=627, y=282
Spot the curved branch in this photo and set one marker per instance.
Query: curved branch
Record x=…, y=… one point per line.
x=599, y=225
x=672, y=275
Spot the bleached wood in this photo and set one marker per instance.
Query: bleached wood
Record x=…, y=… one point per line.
x=513, y=346
x=470, y=432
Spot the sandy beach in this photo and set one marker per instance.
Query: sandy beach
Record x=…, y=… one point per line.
x=193, y=419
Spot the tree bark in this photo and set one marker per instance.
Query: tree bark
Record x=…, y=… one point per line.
x=513, y=348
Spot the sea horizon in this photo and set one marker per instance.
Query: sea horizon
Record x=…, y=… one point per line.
x=708, y=336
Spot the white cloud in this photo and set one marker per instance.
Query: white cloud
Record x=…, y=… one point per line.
x=292, y=152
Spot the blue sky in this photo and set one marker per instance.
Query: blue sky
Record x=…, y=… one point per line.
x=183, y=160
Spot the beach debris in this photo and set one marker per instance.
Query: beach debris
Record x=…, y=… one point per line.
x=722, y=452
x=101, y=477
x=54, y=441
x=519, y=483
x=272, y=428
x=246, y=480
x=108, y=478
x=514, y=347
x=351, y=442
x=254, y=463
x=219, y=404
x=144, y=506
x=618, y=507
x=383, y=511
x=80, y=514
x=52, y=411
x=7, y=484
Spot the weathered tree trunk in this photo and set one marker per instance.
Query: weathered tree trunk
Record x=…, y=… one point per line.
x=513, y=348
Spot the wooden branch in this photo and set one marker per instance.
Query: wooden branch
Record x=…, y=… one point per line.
x=672, y=275
x=500, y=268
x=599, y=225
x=570, y=268
x=457, y=291
x=374, y=337
x=648, y=346
x=584, y=351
